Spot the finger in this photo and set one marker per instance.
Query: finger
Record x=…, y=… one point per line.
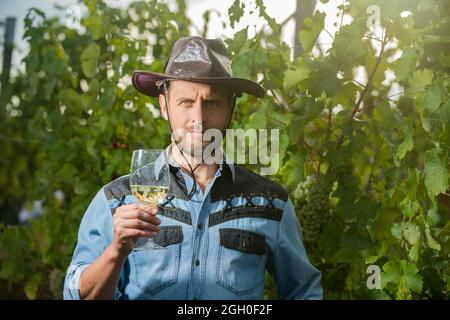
x=136, y=214
x=138, y=206
x=147, y=207
x=125, y=233
x=139, y=224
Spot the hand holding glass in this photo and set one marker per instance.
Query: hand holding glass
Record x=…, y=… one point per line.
x=146, y=186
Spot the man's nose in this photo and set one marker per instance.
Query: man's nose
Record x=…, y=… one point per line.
x=198, y=116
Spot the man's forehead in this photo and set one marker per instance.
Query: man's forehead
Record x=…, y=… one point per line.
x=181, y=87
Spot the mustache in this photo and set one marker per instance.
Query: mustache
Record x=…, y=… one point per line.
x=197, y=130
x=186, y=133
x=197, y=127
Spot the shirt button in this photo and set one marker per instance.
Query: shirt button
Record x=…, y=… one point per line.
x=197, y=262
x=200, y=226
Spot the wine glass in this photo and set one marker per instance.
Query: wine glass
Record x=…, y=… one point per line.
x=147, y=186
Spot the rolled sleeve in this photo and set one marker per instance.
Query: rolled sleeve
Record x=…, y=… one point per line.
x=295, y=276
x=72, y=281
x=94, y=235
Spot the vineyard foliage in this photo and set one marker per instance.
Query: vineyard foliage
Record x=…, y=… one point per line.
x=366, y=166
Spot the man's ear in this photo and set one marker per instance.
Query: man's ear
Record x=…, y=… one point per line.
x=162, y=103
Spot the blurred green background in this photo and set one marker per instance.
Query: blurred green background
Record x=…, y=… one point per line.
x=360, y=94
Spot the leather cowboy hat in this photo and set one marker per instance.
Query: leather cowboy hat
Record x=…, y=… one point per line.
x=199, y=60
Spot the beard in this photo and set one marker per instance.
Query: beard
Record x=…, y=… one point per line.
x=193, y=144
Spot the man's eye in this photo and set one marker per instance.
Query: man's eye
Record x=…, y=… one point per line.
x=211, y=103
x=185, y=103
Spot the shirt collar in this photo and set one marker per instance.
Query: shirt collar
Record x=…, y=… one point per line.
x=160, y=161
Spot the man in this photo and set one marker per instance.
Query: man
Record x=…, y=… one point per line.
x=223, y=225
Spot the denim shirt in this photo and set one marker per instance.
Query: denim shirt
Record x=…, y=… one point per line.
x=218, y=244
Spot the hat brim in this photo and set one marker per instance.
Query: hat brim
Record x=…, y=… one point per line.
x=145, y=83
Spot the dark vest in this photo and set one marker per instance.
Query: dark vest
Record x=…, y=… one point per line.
x=246, y=184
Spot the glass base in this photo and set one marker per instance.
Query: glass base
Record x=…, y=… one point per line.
x=147, y=244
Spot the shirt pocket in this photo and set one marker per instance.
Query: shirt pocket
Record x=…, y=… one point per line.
x=157, y=269
x=241, y=260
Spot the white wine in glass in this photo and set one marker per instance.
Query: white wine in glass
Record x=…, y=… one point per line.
x=151, y=195
x=149, y=183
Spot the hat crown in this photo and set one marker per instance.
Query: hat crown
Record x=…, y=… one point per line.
x=196, y=57
x=198, y=60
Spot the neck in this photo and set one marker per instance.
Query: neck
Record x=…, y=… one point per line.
x=203, y=173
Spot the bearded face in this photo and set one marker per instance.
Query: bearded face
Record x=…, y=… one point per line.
x=194, y=109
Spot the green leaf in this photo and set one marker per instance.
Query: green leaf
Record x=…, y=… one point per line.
x=294, y=76
x=432, y=243
x=67, y=173
x=411, y=183
x=83, y=186
x=58, y=151
x=284, y=143
x=397, y=231
x=283, y=119
x=238, y=41
x=411, y=232
x=263, y=13
x=292, y=170
x=349, y=47
x=407, y=144
x=310, y=30
x=89, y=60
x=248, y=62
x=432, y=97
x=235, y=12
x=409, y=207
x=32, y=286
x=406, y=65
x=402, y=274
x=382, y=252
x=383, y=226
x=413, y=280
x=91, y=5
x=413, y=253
x=391, y=273
x=418, y=82
x=71, y=99
x=433, y=217
x=108, y=97
x=347, y=255
x=97, y=25
x=258, y=120
x=445, y=112
x=436, y=174
x=323, y=79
